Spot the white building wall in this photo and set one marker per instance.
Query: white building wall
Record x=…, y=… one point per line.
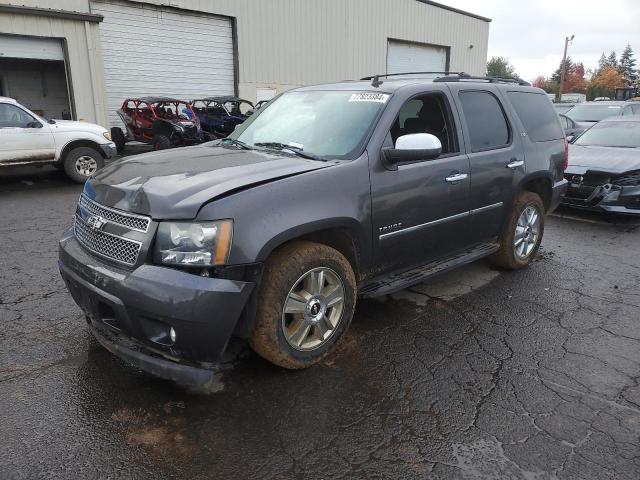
x=287, y=43
x=281, y=43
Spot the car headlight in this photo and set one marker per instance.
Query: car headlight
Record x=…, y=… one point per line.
x=197, y=244
x=107, y=135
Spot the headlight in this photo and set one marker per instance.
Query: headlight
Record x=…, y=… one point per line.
x=107, y=135
x=198, y=244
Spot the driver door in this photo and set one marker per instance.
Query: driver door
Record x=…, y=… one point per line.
x=420, y=211
x=20, y=140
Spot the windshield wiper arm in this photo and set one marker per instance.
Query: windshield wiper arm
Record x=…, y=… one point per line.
x=238, y=143
x=291, y=148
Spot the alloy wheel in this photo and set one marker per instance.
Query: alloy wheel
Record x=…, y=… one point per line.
x=86, y=165
x=313, y=309
x=527, y=232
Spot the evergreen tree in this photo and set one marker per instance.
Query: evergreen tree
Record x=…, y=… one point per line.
x=602, y=63
x=612, y=59
x=627, y=66
x=568, y=67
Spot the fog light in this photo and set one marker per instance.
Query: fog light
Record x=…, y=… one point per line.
x=172, y=335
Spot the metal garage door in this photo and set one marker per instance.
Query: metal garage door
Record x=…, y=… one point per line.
x=12, y=46
x=414, y=57
x=150, y=50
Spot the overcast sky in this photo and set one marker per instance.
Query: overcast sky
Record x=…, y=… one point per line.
x=531, y=33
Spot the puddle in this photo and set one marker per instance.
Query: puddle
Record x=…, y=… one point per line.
x=449, y=286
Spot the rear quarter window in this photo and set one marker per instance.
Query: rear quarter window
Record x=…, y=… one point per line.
x=538, y=116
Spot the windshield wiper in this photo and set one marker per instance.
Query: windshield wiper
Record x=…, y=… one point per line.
x=238, y=143
x=291, y=148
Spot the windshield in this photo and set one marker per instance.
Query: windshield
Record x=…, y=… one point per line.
x=326, y=124
x=612, y=134
x=592, y=113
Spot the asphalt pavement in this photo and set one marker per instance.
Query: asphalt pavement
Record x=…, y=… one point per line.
x=478, y=374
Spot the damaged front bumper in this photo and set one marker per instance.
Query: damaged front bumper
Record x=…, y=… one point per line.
x=608, y=197
x=132, y=313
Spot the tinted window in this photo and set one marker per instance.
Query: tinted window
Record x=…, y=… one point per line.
x=12, y=116
x=485, y=119
x=537, y=115
x=427, y=114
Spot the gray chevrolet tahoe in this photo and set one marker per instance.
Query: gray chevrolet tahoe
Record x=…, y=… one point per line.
x=328, y=193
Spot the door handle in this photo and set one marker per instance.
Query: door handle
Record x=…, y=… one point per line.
x=515, y=163
x=456, y=177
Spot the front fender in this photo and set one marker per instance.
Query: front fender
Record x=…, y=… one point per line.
x=268, y=215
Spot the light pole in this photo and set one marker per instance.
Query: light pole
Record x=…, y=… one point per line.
x=563, y=67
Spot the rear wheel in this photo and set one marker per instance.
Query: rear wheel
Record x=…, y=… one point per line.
x=82, y=162
x=161, y=142
x=117, y=135
x=522, y=235
x=305, y=304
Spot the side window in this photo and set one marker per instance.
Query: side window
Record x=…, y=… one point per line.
x=13, y=117
x=428, y=113
x=564, y=121
x=631, y=110
x=485, y=118
x=537, y=115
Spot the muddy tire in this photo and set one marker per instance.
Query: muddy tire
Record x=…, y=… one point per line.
x=81, y=163
x=521, y=237
x=305, y=303
x=117, y=135
x=161, y=142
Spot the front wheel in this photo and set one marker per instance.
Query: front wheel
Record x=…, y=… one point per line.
x=305, y=304
x=117, y=135
x=82, y=162
x=522, y=235
x=161, y=142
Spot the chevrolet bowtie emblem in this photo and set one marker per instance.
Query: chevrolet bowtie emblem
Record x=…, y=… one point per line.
x=96, y=222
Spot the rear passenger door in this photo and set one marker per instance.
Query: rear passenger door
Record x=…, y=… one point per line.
x=496, y=158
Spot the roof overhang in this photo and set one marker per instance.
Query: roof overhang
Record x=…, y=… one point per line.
x=51, y=13
x=455, y=10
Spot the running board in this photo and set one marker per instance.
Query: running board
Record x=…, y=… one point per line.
x=398, y=281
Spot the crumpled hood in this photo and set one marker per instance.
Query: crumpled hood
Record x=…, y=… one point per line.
x=603, y=159
x=174, y=184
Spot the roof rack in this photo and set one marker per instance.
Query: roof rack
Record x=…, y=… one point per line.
x=371, y=77
x=463, y=78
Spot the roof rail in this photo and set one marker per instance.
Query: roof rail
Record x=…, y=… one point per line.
x=518, y=81
x=371, y=77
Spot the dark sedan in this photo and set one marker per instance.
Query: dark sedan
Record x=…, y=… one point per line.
x=604, y=167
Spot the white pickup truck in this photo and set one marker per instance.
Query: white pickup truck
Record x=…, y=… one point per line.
x=79, y=148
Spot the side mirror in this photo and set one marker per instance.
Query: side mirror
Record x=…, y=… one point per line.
x=414, y=147
x=34, y=124
x=570, y=138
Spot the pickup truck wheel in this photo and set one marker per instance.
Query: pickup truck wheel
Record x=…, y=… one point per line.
x=82, y=162
x=161, y=142
x=117, y=135
x=305, y=303
x=521, y=238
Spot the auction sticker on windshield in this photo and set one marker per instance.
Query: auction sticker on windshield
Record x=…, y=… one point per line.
x=369, y=97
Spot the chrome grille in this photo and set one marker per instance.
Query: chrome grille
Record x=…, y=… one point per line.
x=116, y=248
x=130, y=220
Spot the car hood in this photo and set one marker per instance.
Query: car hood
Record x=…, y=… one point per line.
x=73, y=126
x=603, y=159
x=175, y=184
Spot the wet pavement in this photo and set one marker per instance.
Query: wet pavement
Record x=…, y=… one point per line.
x=478, y=374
